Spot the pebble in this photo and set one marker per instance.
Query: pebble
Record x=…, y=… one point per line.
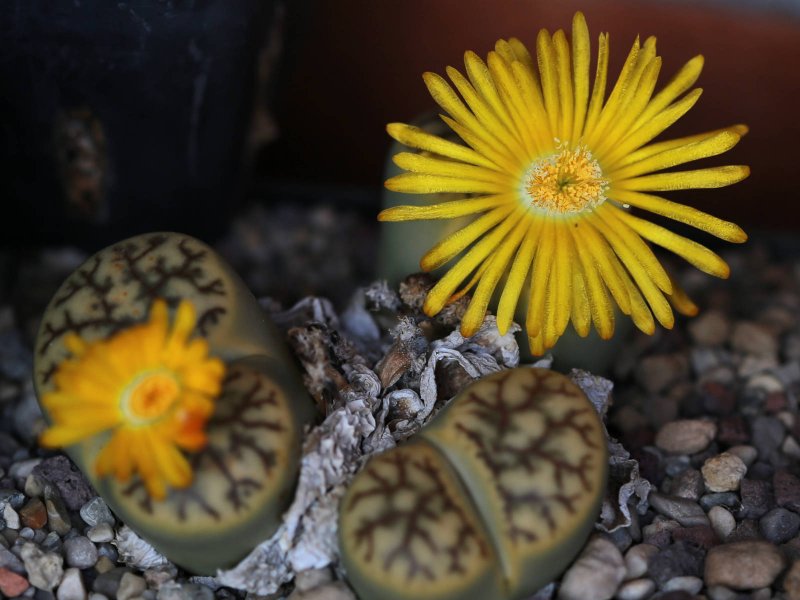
x=104, y=564
x=102, y=532
x=12, y=584
x=108, y=582
x=10, y=561
x=596, y=574
x=637, y=559
x=757, y=498
x=733, y=430
x=330, y=591
x=96, y=511
x=80, y=552
x=743, y=565
x=33, y=514
x=688, y=484
x=677, y=560
x=636, y=589
x=746, y=530
x=710, y=328
x=790, y=447
x=722, y=473
x=779, y=525
x=728, y=499
x=71, y=586
x=72, y=486
x=791, y=582
x=722, y=521
x=767, y=434
x=700, y=535
x=687, y=436
x=689, y=584
x=748, y=454
x=57, y=516
x=787, y=490
x=188, y=591
x=656, y=372
x=755, y=339
x=659, y=532
x=720, y=592
x=130, y=586
x=686, y=512
x=11, y=517
x=45, y=569
x=13, y=497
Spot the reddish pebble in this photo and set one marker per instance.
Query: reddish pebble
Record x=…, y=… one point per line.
x=775, y=402
x=12, y=584
x=34, y=514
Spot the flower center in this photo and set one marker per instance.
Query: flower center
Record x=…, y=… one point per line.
x=150, y=396
x=570, y=181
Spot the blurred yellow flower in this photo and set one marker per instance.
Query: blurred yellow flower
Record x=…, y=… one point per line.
x=552, y=167
x=150, y=386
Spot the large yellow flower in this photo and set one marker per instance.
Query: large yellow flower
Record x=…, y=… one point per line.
x=552, y=167
x=151, y=387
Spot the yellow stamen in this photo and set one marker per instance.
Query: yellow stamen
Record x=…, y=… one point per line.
x=150, y=396
x=568, y=182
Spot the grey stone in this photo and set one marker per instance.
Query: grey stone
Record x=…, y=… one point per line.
x=678, y=560
x=722, y=521
x=80, y=552
x=21, y=469
x=108, y=583
x=746, y=530
x=130, y=586
x=757, y=498
x=337, y=590
x=10, y=561
x=720, y=592
x=687, y=436
x=779, y=525
x=637, y=559
x=787, y=490
x=71, y=586
x=96, y=511
x=656, y=372
x=51, y=543
x=722, y=473
x=45, y=569
x=191, y=591
x=13, y=497
x=755, y=339
x=73, y=487
x=743, y=565
x=710, y=328
x=674, y=465
x=688, y=484
x=767, y=435
x=102, y=532
x=57, y=516
x=596, y=574
x=748, y=454
x=636, y=589
x=686, y=512
x=659, y=532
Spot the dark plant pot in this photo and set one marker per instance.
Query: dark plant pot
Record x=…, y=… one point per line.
x=123, y=117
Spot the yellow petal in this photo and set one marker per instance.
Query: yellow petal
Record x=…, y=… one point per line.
x=713, y=177
x=458, y=241
x=682, y=81
x=443, y=210
x=516, y=277
x=700, y=256
x=581, y=55
x=540, y=280
x=419, y=163
x=684, y=214
x=415, y=137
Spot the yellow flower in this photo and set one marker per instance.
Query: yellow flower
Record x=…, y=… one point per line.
x=552, y=167
x=150, y=386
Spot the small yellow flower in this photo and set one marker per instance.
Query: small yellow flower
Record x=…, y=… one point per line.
x=151, y=387
x=552, y=167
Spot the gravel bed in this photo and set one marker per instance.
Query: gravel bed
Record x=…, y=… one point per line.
x=709, y=410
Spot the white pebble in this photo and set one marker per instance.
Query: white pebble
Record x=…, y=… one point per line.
x=596, y=574
x=11, y=517
x=102, y=532
x=71, y=586
x=636, y=589
x=689, y=584
x=722, y=521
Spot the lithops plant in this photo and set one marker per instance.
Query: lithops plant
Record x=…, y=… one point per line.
x=492, y=499
x=161, y=375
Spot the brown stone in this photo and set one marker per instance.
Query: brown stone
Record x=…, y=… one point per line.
x=702, y=535
x=743, y=565
x=791, y=583
x=34, y=514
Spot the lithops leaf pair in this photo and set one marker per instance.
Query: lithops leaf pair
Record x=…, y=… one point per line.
x=493, y=499
x=172, y=392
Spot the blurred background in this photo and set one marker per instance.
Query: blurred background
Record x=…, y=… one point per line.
x=124, y=117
